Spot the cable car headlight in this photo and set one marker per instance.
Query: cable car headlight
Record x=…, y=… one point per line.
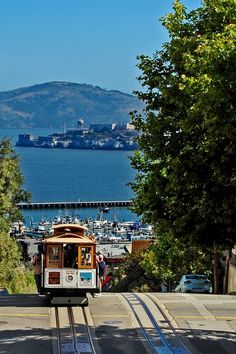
x=69, y=278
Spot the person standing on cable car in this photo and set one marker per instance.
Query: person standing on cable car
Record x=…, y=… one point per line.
x=101, y=272
x=36, y=261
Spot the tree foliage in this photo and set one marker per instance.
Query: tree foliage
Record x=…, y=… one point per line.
x=169, y=258
x=11, y=181
x=12, y=275
x=134, y=277
x=9, y=258
x=186, y=180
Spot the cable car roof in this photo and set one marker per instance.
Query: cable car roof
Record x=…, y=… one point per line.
x=69, y=226
x=69, y=233
x=69, y=238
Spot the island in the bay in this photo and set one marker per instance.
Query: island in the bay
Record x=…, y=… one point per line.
x=95, y=137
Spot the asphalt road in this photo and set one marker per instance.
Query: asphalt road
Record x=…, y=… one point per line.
x=206, y=323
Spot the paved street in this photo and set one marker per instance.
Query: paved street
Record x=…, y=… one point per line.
x=24, y=325
x=206, y=323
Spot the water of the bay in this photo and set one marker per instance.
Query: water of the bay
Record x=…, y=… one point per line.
x=73, y=175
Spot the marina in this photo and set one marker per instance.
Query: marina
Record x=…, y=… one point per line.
x=114, y=238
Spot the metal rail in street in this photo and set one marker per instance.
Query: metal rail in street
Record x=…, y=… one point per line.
x=158, y=332
x=71, y=331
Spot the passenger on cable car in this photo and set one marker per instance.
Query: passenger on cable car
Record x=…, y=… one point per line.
x=36, y=261
x=101, y=270
x=70, y=256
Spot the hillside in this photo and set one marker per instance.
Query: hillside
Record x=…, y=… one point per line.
x=53, y=104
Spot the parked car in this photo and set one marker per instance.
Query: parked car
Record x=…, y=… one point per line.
x=3, y=292
x=197, y=283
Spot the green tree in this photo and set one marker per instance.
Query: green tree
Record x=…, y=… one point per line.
x=9, y=258
x=135, y=277
x=11, y=181
x=169, y=258
x=186, y=180
x=11, y=193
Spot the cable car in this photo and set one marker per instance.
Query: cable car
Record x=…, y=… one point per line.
x=69, y=267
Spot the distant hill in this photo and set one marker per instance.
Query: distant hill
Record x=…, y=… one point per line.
x=53, y=104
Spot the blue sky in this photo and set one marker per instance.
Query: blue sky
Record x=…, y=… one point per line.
x=85, y=41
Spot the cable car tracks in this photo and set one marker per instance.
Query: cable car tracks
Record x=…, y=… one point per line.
x=73, y=328
x=160, y=336
x=71, y=331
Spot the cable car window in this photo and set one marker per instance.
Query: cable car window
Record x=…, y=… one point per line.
x=54, y=256
x=54, y=253
x=70, y=255
x=86, y=256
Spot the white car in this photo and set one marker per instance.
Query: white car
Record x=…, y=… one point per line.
x=196, y=283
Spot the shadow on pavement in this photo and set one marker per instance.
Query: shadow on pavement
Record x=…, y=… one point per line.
x=24, y=300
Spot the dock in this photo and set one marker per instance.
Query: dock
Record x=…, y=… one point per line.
x=78, y=204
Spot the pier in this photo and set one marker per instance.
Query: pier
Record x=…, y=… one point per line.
x=79, y=204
